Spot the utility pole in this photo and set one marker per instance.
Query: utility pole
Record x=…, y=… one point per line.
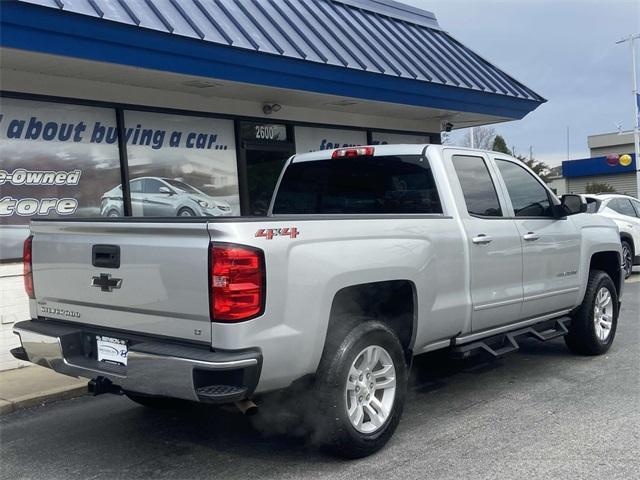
x=636, y=100
x=568, y=158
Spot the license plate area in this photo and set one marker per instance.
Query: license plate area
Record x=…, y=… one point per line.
x=111, y=350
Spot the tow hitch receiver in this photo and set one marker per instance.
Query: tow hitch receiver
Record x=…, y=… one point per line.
x=100, y=385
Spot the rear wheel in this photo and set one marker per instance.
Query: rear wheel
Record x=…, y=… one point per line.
x=627, y=258
x=360, y=391
x=594, y=323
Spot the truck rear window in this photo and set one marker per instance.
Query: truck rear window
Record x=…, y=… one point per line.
x=359, y=185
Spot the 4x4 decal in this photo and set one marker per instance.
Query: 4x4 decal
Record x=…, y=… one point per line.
x=269, y=233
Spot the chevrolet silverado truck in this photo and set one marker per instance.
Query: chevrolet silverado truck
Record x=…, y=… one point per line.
x=368, y=256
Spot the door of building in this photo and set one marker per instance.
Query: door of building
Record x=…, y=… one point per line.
x=264, y=149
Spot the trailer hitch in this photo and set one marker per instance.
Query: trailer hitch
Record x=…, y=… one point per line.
x=100, y=385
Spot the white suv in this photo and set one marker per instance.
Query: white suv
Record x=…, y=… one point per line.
x=625, y=211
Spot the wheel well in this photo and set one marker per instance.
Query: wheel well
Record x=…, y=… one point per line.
x=391, y=302
x=608, y=262
x=629, y=239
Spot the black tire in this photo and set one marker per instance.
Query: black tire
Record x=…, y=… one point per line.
x=157, y=403
x=113, y=213
x=331, y=425
x=582, y=337
x=627, y=258
x=186, y=212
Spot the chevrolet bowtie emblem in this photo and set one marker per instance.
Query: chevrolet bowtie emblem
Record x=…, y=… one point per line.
x=105, y=283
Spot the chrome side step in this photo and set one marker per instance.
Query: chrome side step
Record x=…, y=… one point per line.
x=499, y=345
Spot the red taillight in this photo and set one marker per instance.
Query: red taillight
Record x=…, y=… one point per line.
x=352, y=152
x=236, y=282
x=26, y=266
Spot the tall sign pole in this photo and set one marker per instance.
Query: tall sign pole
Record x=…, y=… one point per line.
x=636, y=103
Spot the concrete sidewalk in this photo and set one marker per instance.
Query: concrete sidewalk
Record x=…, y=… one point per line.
x=30, y=386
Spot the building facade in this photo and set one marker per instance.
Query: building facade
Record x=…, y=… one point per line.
x=191, y=107
x=612, y=165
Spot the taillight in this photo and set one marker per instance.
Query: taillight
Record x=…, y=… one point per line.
x=236, y=282
x=352, y=152
x=26, y=266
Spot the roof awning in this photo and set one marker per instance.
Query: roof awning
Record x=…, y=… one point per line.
x=377, y=50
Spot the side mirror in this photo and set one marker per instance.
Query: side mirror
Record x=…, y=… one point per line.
x=166, y=190
x=571, y=204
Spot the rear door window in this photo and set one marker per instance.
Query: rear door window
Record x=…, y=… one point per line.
x=622, y=206
x=359, y=185
x=477, y=186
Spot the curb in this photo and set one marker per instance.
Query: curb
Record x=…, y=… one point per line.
x=41, y=398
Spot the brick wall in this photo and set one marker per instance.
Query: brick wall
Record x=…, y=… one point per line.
x=14, y=307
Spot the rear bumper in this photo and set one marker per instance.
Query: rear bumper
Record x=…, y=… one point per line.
x=154, y=367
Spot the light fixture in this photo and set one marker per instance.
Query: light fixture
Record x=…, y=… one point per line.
x=269, y=108
x=447, y=126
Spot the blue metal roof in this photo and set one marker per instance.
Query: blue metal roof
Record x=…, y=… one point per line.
x=375, y=36
x=587, y=167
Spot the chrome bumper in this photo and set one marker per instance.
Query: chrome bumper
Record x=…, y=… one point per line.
x=153, y=368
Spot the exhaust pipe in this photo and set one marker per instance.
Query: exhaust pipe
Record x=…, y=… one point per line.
x=247, y=407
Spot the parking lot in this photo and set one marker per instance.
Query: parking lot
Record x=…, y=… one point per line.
x=537, y=413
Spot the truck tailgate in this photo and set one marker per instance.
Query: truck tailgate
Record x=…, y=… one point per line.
x=160, y=286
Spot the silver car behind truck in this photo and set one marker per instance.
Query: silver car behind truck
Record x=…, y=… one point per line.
x=368, y=256
x=163, y=197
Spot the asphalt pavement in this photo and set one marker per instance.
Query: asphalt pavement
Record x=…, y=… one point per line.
x=538, y=413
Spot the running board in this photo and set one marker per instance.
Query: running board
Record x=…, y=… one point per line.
x=499, y=345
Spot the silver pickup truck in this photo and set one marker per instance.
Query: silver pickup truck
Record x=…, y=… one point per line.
x=367, y=257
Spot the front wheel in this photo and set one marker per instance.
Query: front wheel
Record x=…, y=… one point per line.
x=186, y=212
x=360, y=391
x=593, y=324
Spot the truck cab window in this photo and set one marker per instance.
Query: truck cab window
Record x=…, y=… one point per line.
x=528, y=197
x=479, y=192
x=360, y=185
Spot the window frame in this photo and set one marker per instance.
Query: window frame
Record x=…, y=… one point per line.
x=553, y=200
x=622, y=199
x=492, y=176
x=428, y=169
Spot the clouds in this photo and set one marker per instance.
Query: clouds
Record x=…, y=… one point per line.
x=565, y=51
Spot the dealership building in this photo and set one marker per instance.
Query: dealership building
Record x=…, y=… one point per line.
x=109, y=107
x=612, y=164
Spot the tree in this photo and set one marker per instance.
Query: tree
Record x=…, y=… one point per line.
x=597, y=187
x=483, y=138
x=540, y=168
x=499, y=145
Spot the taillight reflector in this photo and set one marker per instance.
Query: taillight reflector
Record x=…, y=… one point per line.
x=352, y=152
x=26, y=266
x=236, y=283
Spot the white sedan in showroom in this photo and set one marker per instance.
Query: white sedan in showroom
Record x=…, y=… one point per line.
x=625, y=211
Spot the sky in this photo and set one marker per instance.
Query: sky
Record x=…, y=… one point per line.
x=566, y=51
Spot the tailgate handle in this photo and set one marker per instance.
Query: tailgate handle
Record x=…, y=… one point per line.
x=105, y=256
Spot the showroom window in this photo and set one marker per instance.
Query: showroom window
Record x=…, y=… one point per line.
x=54, y=162
x=186, y=165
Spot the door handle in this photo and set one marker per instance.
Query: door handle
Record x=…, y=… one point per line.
x=530, y=236
x=482, y=239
